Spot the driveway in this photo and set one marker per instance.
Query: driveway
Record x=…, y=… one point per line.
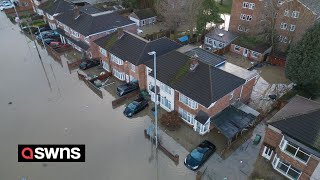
x=237, y=166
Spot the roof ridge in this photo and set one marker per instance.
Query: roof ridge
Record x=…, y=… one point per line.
x=295, y=115
x=140, y=56
x=136, y=36
x=210, y=78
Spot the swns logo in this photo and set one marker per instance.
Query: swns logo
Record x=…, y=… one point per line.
x=51, y=153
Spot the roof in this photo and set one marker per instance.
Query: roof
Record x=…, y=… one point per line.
x=206, y=57
x=202, y=117
x=87, y=24
x=253, y=43
x=205, y=85
x=227, y=36
x=90, y=9
x=313, y=5
x=81, y=44
x=135, y=49
x=300, y=120
x=55, y=6
x=145, y=13
x=231, y=121
x=238, y=71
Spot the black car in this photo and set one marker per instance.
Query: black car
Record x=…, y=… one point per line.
x=199, y=155
x=135, y=107
x=88, y=64
x=127, y=88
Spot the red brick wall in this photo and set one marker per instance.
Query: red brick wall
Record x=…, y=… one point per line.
x=277, y=61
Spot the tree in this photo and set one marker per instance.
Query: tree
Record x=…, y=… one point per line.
x=303, y=61
x=173, y=13
x=171, y=120
x=208, y=13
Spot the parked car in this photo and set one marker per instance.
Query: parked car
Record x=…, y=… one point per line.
x=135, y=107
x=199, y=155
x=48, y=40
x=6, y=5
x=127, y=88
x=57, y=45
x=32, y=28
x=88, y=64
x=43, y=29
x=48, y=34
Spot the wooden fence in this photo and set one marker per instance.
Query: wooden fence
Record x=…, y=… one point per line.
x=118, y=101
x=73, y=65
x=54, y=54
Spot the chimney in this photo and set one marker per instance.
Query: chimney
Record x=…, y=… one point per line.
x=120, y=33
x=76, y=12
x=194, y=62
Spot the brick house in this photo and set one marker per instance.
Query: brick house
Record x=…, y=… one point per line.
x=290, y=19
x=197, y=84
x=143, y=17
x=292, y=140
x=80, y=28
x=124, y=54
x=219, y=39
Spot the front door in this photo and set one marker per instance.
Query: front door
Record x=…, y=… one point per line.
x=267, y=152
x=245, y=52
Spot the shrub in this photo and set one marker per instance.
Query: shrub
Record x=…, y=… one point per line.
x=171, y=120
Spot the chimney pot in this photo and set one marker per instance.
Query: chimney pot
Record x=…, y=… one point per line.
x=76, y=12
x=194, y=62
x=120, y=33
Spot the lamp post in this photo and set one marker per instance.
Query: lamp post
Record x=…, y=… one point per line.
x=153, y=53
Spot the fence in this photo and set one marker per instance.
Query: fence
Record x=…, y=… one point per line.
x=158, y=35
x=118, y=101
x=21, y=10
x=73, y=65
x=54, y=54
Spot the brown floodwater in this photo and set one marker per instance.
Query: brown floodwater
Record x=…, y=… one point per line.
x=60, y=109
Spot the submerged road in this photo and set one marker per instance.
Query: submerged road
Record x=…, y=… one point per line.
x=62, y=110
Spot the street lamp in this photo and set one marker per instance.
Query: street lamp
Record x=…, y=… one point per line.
x=153, y=53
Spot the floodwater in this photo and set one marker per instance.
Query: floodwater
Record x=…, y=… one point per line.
x=60, y=109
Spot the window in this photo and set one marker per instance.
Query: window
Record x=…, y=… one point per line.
x=286, y=169
x=283, y=25
x=153, y=19
x=208, y=41
x=206, y=127
x=221, y=45
x=187, y=101
x=292, y=27
x=294, y=151
x=186, y=116
x=119, y=75
x=231, y=95
x=237, y=48
x=249, y=18
x=295, y=14
x=254, y=54
x=103, y=51
x=243, y=16
x=286, y=13
x=75, y=34
x=165, y=102
x=267, y=152
x=116, y=60
x=240, y=28
x=66, y=28
x=251, y=6
x=86, y=39
x=245, y=4
x=132, y=67
x=105, y=66
x=280, y=2
x=165, y=88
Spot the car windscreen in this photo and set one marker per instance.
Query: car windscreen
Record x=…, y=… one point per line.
x=196, y=154
x=132, y=105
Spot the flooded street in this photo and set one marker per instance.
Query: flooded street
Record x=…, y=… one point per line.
x=64, y=111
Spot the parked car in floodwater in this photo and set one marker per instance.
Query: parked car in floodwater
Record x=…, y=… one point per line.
x=127, y=88
x=58, y=45
x=135, y=107
x=199, y=155
x=88, y=64
x=6, y=5
x=48, y=40
x=42, y=29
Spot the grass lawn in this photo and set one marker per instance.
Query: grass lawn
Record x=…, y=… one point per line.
x=225, y=8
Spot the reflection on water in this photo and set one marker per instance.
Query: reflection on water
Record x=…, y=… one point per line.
x=69, y=113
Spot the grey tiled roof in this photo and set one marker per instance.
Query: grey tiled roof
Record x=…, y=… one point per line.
x=87, y=24
x=314, y=5
x=135, y=49
x=145, y=13
x=206, y=84
x=206, y=57
x=227, y=37
x=55, y=6
x=90, y=9
x=202, y=117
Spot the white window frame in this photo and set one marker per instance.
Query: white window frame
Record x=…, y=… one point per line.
x=243, y=17
x=186, y=116
x=75, y=33
x=103, y=51
x=187, y=101
x=280, y=2
x=165, y=88
x=208, y=41
x=245, y=5
x=276, y=161
x=106, y=66
x=231, y=95
x=66, y=28
x=251, y=6
x=283, y=26
x=254, y=54
x=235, y=48
x=284, y=146
x=86, y=39
x=286, y=13
x=267, y=152
x=295, y=14
x=292, y=27
x=132, y=67
x=240, y=28
x=116, y=60
x=249, y=18
x=118, y=74
x=166, y=102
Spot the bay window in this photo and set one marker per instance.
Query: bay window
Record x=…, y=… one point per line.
x=294, y=151
x=119, y=75
x=116, y=60
x=285, y=168
x=186, y=116
x=165, y=102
